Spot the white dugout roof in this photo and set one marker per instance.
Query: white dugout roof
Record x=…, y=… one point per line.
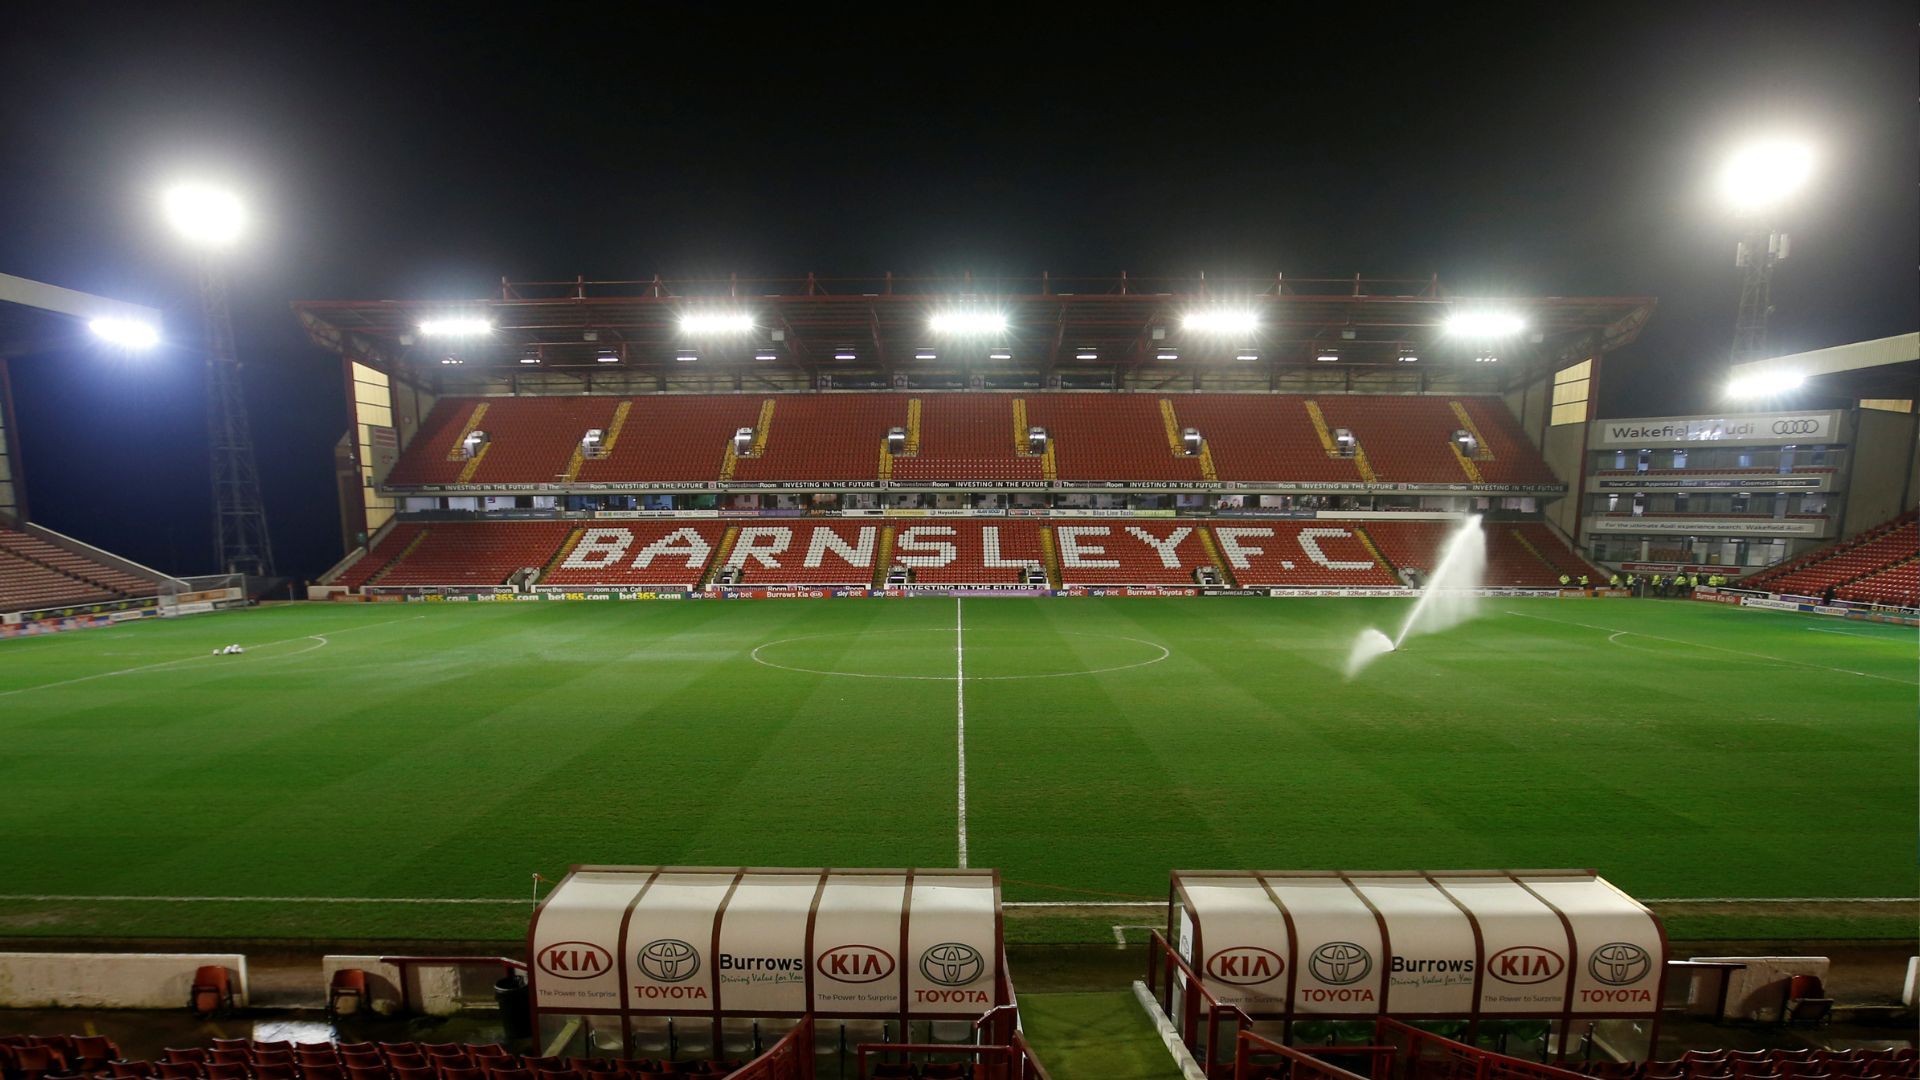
x=1456, y=944
x=769, y=942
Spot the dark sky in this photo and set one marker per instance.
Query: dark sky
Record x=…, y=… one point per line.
x=392, y=152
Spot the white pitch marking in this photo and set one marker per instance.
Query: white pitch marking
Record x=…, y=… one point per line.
x=1721, y=648
x=22, y=897
x=764, y=662
x=960, y=711
x=1120, y=931
x=322, y=638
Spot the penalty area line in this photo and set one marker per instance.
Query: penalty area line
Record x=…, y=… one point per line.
x=1615, y=632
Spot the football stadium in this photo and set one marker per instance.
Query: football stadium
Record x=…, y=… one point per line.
x=947, y=675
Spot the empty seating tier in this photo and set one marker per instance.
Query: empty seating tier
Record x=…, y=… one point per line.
x=37, y=573
x=967, y=437
x=1857, y=560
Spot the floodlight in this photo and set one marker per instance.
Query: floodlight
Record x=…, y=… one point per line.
x=1765, y=384
x=765, y=356
x=923, y=356
x=1764, y=173
x=126, y=333
x=716, y=322
x=999, y=355
x=1167, y=356
x=1328, y=358
x=686, y=358
x=607, y=356
x=1221, y=321
x=1484, y=325
x=1086, y=356
x=1247, y=356
x=205, y=215
x=455, y=326
x=844, y=356
x=968, y=323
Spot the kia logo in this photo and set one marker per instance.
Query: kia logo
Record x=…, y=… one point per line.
x=1525, y=964
x=1245, y=965
x=1795, y=427
x=855, y=963
x=952, y=963
x=668, y=960
x=574, y=960
x=1338, y=963
x=1618, y=963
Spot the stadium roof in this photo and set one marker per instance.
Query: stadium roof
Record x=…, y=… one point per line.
x=1884, y=368
x=882, y=325
x=36, y=317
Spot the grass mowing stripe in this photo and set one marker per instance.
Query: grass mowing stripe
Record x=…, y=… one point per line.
x=1721, y=648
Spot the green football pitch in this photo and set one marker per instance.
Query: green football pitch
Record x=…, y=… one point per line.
x=401, y=771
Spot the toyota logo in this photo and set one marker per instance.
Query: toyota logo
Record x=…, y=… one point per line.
x=1338, y=963
x=668, y=960
x=1795, y=427
x=952, y=963
x=1618, y=963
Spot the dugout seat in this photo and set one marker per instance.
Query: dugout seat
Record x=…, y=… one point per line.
x=211, y=993
x=1806, y=1003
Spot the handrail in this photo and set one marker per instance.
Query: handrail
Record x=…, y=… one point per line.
x=1487, y=1064
x=1018, y=1055
x=1196, y=992
x=1248, y=1044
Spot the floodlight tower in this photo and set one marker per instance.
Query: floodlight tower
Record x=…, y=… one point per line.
x=211, y=220
x=1756, y=180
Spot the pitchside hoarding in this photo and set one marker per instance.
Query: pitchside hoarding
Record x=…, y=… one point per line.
x=1742, y=429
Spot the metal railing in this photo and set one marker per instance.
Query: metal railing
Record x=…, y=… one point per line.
x=1193, y=999
x=1298, y=1064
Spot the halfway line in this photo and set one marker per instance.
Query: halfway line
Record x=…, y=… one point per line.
x=960, y=712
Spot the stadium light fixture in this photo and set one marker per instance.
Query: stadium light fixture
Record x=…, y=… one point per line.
x=125, y=333
x=1328, y=358
x=1762, y=174
x=968, y=323
x=455, y=326
x=716, y=322
x=999, y=354
x=607, y=356
x=923, y=355
x=531, y=356
x=1086, y=356
x=1246, y=356
x=1766, y=384
x=1167, y=356
x=1221, y=321
x=764, y=355
x=205, y=215
x=845, y=356
x=1483, y=325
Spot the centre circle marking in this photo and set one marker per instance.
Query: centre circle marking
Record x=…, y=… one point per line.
x=758, y=659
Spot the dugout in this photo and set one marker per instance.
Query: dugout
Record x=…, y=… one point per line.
x=676, y=962
x=1532, y=961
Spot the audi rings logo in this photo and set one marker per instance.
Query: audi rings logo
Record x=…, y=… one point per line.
x=1795, y=427
x=1618, y=963
x=952, y=963
x=1338, y=963
x=668, y=960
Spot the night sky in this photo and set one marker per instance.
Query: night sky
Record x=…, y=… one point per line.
x=389, y=153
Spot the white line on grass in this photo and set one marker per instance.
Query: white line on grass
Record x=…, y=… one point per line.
x=58, y=898
x=960, y=712
x=1614, y=633
x=322, y=638
x=76, y=898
